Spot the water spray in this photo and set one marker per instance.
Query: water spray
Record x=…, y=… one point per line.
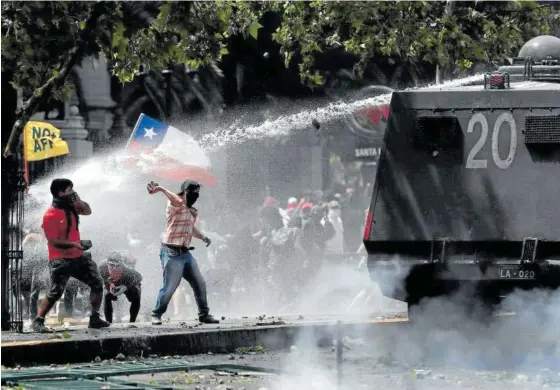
x=286, y=124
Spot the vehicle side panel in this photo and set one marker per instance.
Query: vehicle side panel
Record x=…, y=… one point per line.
x=429, y=188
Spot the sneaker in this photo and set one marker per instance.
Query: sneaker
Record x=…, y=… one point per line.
x=208, y=319
x=38, y=326
x=156, y=320
x=96, y=322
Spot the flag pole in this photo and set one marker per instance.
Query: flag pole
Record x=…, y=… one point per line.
x=25, y=163
x=127, y=151
x=134, y=130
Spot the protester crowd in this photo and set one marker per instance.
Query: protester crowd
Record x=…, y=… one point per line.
x=274, y=252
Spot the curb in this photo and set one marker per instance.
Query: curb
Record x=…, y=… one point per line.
x=181, y=342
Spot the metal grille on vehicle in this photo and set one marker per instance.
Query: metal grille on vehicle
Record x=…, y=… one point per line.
x=529, y=250
x=542, y=129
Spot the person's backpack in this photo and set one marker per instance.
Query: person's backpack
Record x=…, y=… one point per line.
x=283, y=240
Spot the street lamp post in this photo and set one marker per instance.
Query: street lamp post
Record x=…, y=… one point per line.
x=167, y=72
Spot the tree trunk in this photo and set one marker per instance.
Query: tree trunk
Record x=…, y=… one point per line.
x=42, y=93
x=449, y=8
x=413, y=74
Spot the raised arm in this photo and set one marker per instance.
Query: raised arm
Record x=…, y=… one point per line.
x=81, y=206
x=175, y=199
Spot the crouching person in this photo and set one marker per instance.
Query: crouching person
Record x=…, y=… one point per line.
x=119, y=279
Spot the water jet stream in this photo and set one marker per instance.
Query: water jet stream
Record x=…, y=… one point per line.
x=302, y=120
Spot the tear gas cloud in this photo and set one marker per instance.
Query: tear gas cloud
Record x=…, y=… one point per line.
x=516, y=348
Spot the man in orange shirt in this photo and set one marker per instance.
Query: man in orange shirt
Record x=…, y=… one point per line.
x=66, y=254
x=176, y=258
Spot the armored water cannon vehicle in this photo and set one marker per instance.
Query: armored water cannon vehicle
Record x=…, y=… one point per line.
x=467, y=190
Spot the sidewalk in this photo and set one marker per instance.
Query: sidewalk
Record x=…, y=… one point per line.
x=77, y=343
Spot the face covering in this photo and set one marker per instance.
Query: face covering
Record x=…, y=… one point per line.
x=192, y=198
x=66, y=203
x=66, y=198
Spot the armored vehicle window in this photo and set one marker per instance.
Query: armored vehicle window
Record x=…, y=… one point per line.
x=441, y=137
x=437, y=133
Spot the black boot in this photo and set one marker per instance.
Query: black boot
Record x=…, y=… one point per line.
x=96, y=322
x=208, y=319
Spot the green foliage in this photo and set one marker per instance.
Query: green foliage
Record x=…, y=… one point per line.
x=37, y=37
x=192, y=33
x=33, y=47
x=420, y=31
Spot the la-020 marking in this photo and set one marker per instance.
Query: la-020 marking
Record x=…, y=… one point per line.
x=515, y=273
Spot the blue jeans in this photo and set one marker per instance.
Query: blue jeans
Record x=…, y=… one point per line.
x=176, y=265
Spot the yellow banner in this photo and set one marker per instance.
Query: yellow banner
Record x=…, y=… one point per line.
x=42, y=141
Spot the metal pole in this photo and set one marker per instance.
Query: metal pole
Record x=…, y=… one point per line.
x=167, y=74
x=339, y=354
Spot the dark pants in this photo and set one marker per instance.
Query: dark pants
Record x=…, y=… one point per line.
x=82, y=268
x=70, y=293
x=24, y=287
x=38, y=283
x=133, y=294
x=179, y=264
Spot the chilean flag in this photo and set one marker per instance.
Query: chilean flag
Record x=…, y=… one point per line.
x=167, y=153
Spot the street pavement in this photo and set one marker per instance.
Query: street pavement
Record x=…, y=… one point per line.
x=81, y=332
x=514, y=352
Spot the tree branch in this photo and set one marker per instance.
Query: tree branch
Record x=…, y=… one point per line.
x=42, y=93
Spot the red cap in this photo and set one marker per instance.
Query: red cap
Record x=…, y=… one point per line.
x=307, y=205
x=270, y=201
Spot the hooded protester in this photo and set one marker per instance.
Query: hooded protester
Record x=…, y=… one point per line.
x=177, y=260
x=66, y=253
x=119, y=278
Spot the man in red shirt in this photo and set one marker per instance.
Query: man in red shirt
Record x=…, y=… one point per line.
x=66, y=254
